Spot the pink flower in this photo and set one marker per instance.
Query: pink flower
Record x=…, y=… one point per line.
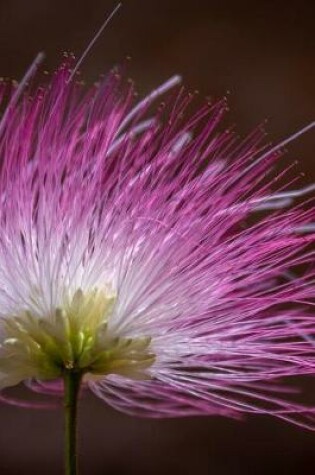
x=147, y=251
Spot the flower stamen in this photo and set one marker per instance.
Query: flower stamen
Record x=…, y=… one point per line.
x=75, y=338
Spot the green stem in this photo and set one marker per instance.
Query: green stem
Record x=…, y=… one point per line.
x=72, y=382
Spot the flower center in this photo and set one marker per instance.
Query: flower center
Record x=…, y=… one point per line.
x=75, y=337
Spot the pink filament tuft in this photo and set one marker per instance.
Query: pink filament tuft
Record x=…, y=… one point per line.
x=95, y=190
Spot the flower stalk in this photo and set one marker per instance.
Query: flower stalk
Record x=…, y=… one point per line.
x=72, y=383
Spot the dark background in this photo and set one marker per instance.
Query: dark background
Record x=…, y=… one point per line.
x=263, y=53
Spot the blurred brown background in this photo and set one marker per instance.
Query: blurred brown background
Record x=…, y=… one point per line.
x=263, y=53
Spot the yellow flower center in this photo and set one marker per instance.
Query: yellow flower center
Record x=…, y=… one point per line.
x=75, y=337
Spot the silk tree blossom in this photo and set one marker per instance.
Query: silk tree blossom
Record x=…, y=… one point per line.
x=144, y=249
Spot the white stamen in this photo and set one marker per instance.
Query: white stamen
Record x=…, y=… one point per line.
x=138, y=129
x=276, y=201
x=180, y=143
x=289, y=194
x=93, y=41
x=172, y=82
x=277, y=204
x=306, y=228
x=278, y=147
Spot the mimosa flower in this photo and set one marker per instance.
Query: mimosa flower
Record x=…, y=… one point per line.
x=147, y=254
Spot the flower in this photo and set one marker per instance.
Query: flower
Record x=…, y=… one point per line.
x=149, y=254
